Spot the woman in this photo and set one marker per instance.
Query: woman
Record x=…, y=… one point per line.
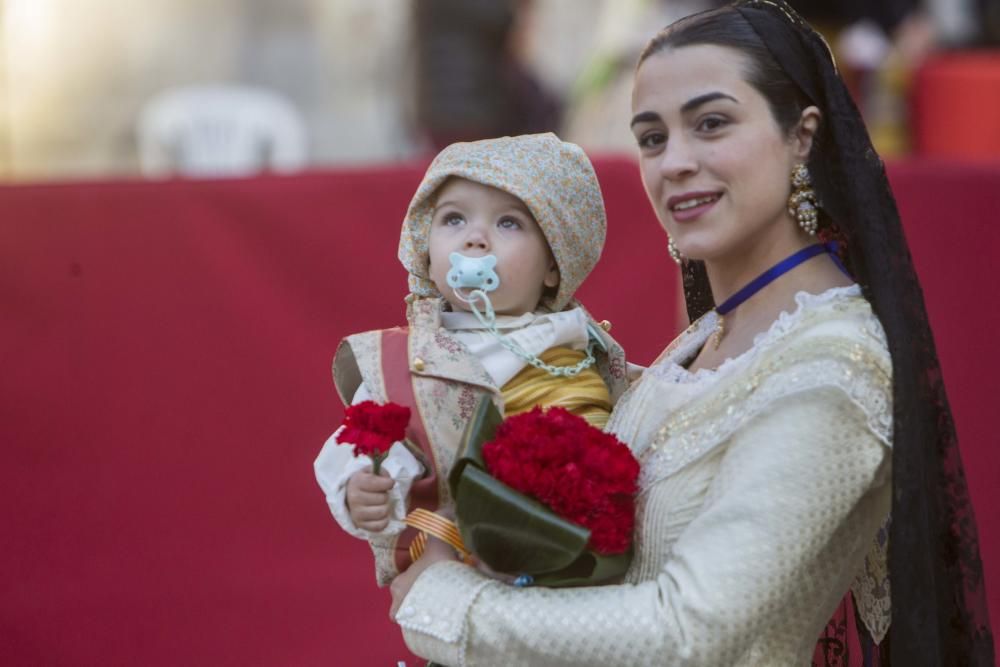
x=776, y=432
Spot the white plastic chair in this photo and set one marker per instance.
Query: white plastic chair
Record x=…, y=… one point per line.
x=220, y=130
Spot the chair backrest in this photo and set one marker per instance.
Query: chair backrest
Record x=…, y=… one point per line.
x=220, y=130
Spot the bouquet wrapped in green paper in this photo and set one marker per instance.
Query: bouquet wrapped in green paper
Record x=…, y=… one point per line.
x=545, y=496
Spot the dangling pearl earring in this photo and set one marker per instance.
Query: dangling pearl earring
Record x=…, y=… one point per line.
x=802, y=204
x=675, y=254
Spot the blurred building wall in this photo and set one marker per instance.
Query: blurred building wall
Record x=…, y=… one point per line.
x=76, y=73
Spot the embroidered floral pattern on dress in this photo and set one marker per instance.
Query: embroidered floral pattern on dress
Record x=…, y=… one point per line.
x=812, y=310
x=871, y=587
x=692, y=432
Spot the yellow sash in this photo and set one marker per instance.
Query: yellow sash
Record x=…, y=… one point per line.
x=584, y=395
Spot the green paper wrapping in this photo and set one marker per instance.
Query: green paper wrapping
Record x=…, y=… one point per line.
x=513, y=533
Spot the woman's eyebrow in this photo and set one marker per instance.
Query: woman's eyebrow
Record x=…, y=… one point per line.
x=645, y=117
x=690, y=105
x=696, y=102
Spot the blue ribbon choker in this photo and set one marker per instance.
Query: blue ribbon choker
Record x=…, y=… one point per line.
x=769, y=276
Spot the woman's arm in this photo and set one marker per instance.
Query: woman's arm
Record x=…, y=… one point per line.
x=799, y=495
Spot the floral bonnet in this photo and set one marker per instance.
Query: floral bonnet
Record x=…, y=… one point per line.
x=553, y=178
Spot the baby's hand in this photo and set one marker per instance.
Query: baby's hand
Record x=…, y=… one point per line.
x=368, y=499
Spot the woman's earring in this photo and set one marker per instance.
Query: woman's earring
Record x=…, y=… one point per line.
x=802, y=205
x=675, y=254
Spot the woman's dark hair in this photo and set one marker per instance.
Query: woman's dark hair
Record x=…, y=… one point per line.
x=725, y=27
x=939, y=614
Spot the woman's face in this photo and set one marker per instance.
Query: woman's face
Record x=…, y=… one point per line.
x=714, y=161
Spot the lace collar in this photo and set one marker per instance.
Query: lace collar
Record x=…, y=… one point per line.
x=684, y=348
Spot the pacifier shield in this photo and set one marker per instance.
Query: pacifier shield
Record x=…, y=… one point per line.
x=476, y=273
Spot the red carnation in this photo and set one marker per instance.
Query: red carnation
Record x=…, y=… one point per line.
x=372, y=428
x=582, y=473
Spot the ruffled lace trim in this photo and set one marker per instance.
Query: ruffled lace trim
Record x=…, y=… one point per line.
x=804, y=302
x=670, y=368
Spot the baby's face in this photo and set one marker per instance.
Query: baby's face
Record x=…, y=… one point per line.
x=477, y=220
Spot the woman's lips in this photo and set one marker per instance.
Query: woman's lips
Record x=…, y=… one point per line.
x=689, y=206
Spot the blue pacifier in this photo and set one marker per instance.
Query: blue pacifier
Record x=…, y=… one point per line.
x=474, y=273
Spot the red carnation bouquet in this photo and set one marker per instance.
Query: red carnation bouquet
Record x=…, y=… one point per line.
x=581, y=473
x=545, y=494
x=372, y=428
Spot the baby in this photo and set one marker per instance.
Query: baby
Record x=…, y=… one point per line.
x=497, y=239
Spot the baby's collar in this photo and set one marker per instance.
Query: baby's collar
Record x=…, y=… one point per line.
x=462, y=320
x=466, y=320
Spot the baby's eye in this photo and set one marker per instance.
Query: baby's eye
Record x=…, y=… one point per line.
x=711, y=123
x=508, y=223
x=452, y=219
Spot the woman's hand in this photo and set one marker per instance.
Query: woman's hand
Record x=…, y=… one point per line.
x=436, y=551
x=493, y=574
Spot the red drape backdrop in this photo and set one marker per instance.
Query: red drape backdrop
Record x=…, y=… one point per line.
x=165, y=385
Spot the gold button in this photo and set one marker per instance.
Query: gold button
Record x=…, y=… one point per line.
x=606, y=325
x=418, y=364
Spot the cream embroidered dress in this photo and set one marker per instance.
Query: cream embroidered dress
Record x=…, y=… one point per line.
x=764, y=485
